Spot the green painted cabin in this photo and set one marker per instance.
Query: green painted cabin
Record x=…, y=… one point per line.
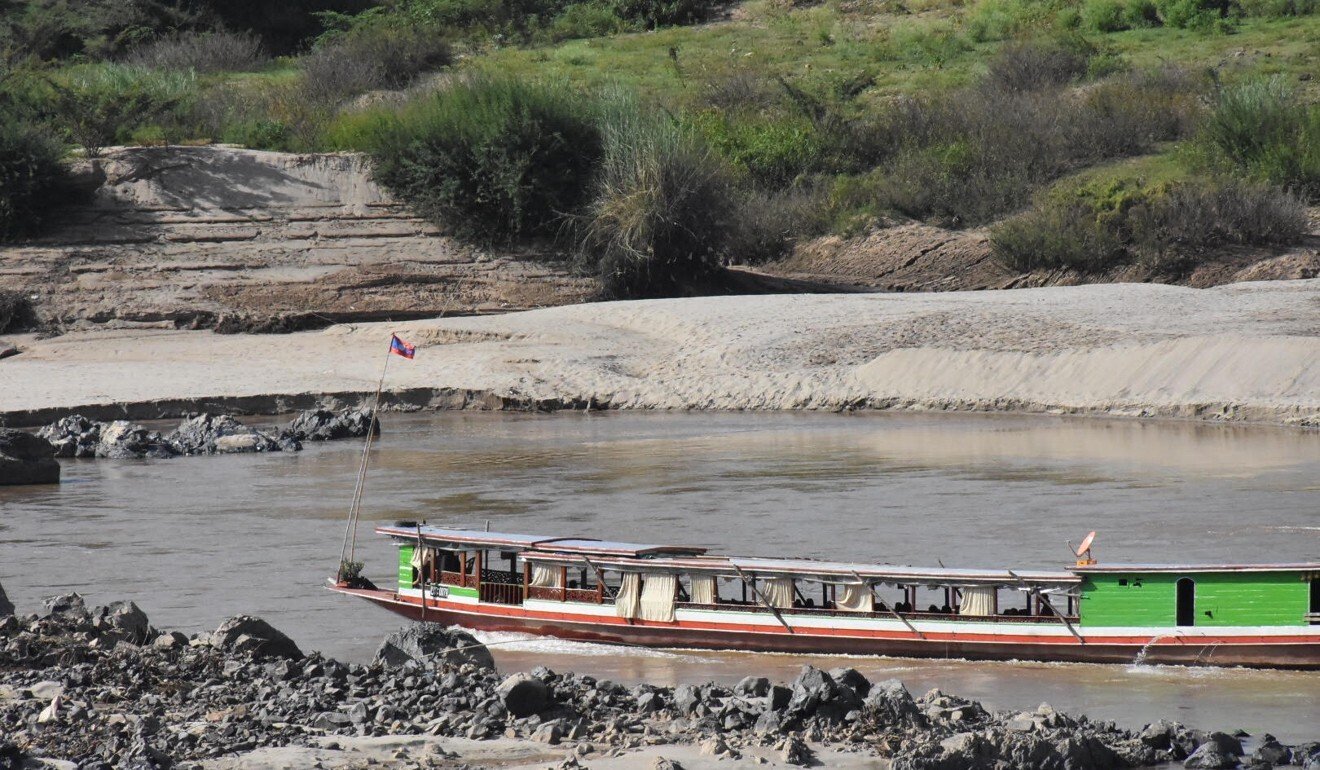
x=1161, y=596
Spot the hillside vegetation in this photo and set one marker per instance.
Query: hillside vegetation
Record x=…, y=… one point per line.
x=652, y=141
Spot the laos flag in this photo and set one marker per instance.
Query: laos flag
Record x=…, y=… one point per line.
x=400, y=348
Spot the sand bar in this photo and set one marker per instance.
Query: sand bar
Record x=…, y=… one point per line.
x=1245, y=352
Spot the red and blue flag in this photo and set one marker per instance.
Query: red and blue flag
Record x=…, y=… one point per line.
x=400, y=348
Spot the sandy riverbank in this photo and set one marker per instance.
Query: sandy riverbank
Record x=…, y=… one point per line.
x=1248, y=352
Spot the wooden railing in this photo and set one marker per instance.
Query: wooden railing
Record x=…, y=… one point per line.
x=556, y=594
x=501, y=593
x=819, y=611
x=453, y=578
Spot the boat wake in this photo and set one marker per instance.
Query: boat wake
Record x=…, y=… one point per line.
x=515, y=642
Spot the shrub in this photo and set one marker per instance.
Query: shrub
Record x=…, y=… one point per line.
x=1278, y=8
x=491, y=158
x=1105, y=15
x=663, y=13
x=99, y=105
x=1205, y=15
x=372, y=57
x=1264, y=128
x=662, y=208
x=771, y=151
x=31, y=177
x=989, y=20
x=284, y=26
x=767, y=224
x=1038, y=64
x=1170, y=227
x=201, y=52
x=585, y=20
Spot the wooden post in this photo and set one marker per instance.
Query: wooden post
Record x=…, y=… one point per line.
x=462, y=568
x=477, y=581
x=563, y=584
x=527, y=578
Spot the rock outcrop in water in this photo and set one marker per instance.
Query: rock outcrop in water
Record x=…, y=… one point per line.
x=100, y=688
x=325, y=425
x=26, y=459
x=203, y=434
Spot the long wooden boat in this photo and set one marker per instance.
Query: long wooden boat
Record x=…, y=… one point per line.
x=1257, y=615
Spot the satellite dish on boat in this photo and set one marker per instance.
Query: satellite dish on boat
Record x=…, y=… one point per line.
x=1083, y=551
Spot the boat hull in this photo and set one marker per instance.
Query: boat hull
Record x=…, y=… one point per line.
x=1301, y=652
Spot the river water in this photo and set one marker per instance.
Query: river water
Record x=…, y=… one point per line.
x=194, y=540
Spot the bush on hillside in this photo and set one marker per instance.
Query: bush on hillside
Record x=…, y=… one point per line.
x=768, y=224
x=1038, y=64
x=1264, y=128
x=662, y=206
x=493, y=159
x=48, y=30
x=99, y=105
x=201, y=52
x=366, y=58
x=1168, y=228
x=31, y=177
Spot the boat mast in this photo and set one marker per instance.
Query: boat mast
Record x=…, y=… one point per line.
x=349, y=548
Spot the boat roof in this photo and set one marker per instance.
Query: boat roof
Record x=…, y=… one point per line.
x=813, y=569
x=587, y=546
x=1194, y=568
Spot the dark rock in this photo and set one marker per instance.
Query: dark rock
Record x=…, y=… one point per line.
x=686, y=699
x=1270, y=751
x=891, y=702
x=430, y=643
x=73, y=436
x=1228, y=744
x=208, y=434
x=852, y=679
x=523, y=694
x=794, y=751
x=665, y=764
x=254, y=636
x=68, y=607
x=1159, y=735
x=752, y=687
x=649, y=703
x=812, y=689
x=26, y=459
x=1210, y=757
x=6, y=606
x=123, y=440
x=325, y=425
x=11, y=757
x=123, y=621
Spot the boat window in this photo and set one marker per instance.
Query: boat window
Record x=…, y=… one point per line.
x=778, y=592
x=979, y=601
x=657, y=599
x=1186, y=602
x=703, y=590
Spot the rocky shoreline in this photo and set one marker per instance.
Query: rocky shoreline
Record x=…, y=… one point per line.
x=99, y=687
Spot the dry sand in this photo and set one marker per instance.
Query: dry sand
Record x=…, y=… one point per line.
x=1246, y=352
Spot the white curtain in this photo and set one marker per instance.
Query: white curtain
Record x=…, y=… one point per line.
x=977, y=601
x=628, y=603
x=658, y=598
x=778, y=592
x=703, y=589
x=546, y=576
x=854, y=597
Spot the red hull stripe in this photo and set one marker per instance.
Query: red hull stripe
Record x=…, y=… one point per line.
x=491, y=610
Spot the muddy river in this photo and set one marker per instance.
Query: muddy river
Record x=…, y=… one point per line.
x=194, y=540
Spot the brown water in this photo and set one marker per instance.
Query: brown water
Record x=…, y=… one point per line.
x=194, y=540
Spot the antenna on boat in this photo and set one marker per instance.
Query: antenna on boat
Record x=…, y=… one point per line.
x=1083, y=551
x=349, y=548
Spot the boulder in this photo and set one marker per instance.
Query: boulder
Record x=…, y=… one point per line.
x=892, y=702
x=73, y=436
x=123, y=440
x=752, y=687
x=428, y=643
x=523, y=695
x=852, y=679
x=208, y=434
x=26, y=459
x=812, y=689
x=325, y=425
x=254, y=636
x=686, y=698
x=1271, y=752
x=1228, y=744
x=6, y=606
x=67, y=607
x=794, y=751
x=123, y=621
x=1210, y=757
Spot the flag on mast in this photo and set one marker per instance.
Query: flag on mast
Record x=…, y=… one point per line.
x=400, y=348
